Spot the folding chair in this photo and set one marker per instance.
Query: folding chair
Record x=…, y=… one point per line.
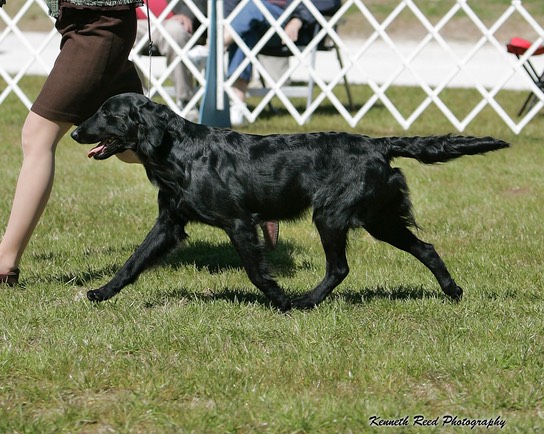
x=326, y=44
x=519, y=46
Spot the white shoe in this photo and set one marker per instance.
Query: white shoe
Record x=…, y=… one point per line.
x=199, y=55
x=237, y=114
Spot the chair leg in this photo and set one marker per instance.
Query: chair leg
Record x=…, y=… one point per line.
x=537, y=79
x=526, y=104
x=540, y=83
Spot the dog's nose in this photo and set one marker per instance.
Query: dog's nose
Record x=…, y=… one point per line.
x=75, y=134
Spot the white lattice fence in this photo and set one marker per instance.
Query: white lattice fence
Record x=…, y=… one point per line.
x=378, y=58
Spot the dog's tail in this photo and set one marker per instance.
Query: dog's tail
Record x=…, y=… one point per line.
x=439, y=149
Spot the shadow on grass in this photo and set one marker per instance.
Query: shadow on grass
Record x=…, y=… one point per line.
x=351, y=297
x=216, y=258
x=212, y=257
x=231, y=296
x=399, y=293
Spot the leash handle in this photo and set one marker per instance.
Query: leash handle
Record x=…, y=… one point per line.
x=149, y=49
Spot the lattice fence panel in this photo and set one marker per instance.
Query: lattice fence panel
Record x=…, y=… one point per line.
x=411, y=60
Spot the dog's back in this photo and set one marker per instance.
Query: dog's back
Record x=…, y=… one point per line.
x=346, y=176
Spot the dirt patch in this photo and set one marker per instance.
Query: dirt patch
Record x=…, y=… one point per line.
x=518, y=191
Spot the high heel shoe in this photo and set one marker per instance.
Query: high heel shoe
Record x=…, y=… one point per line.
x=11, y=278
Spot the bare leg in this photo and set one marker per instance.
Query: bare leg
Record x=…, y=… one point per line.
x=240, y=88
x=39, y=142
x=227, y=38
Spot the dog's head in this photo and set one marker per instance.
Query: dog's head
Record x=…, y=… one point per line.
x=124, y=122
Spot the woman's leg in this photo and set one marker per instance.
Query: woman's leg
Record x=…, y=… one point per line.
x=39, y=141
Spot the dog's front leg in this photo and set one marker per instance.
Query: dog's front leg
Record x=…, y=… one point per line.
x=162, y=239
x=243, y=235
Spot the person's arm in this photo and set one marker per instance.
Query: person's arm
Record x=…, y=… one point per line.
x=303, y=13
x=301, y=16
x=181, y=8
x=292, y=28
x=185, y=15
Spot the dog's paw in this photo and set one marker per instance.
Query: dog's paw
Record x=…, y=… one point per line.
x=284, y=305
x=96, y=295
x=303, y=303
x=455, y=293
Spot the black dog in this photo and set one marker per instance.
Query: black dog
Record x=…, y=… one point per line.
x=235, y=181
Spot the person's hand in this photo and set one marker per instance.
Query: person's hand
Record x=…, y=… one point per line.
x=184, y=20
x=292, y=28
x=2, y=3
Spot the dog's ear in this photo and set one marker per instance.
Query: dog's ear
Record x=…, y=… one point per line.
x=152, y=124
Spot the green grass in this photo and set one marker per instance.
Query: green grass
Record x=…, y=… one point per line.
x=193, y=346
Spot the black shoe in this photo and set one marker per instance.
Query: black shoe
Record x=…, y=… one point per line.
x=10, y=278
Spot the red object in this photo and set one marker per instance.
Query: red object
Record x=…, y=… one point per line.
x=155, y=6
x=519, y=46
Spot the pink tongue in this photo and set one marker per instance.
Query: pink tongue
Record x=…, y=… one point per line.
x=95, y=150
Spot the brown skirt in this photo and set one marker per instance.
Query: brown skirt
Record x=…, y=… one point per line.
x=92, y=64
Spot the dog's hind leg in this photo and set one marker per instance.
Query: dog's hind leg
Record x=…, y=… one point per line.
x=398, y=235
x=334, y=243
x=244, y=237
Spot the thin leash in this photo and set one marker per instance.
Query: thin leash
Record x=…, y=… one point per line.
x=149, y=50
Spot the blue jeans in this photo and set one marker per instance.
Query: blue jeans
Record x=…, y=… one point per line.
x=251, y=25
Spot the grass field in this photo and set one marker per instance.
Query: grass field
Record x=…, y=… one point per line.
x=194, y=347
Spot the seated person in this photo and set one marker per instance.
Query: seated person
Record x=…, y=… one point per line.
x=180, y=25
x=250, y=24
